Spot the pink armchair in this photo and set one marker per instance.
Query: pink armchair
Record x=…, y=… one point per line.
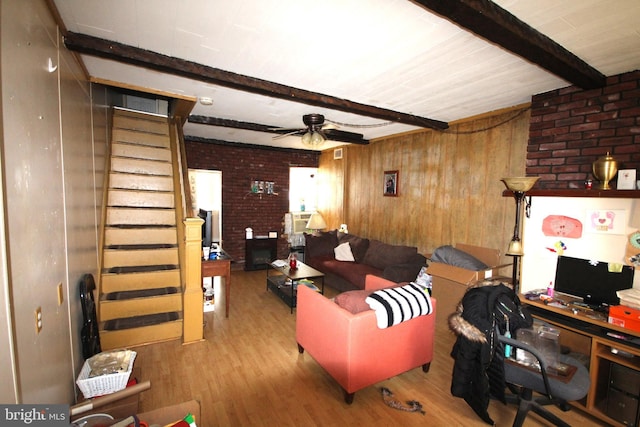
x=351, y=347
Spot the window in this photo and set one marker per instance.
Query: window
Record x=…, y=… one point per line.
x=303, y=189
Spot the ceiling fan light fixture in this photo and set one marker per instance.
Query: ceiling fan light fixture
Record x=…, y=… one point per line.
x=313, y=139
x=317, y=139
x=306, y=139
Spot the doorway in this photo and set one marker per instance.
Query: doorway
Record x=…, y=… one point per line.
x=206, y=194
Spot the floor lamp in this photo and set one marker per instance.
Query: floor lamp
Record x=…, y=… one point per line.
x=519, y=186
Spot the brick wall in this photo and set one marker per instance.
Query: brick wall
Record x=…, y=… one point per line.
x=240, y=165
x=570, y=128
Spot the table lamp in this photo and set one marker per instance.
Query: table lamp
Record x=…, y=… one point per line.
x=316, y=222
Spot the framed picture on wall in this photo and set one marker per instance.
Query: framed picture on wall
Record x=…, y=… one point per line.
x=391, y=183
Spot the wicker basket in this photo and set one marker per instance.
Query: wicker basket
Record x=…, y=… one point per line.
x=103, y=384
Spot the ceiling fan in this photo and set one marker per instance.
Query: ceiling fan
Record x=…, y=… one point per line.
x=317, y=132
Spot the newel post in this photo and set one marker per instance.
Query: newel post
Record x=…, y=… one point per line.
x=192, y=297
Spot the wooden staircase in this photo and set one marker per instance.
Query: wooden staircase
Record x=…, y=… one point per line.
x=141, y=294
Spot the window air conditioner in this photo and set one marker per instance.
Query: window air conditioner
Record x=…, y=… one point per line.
x=300, y=220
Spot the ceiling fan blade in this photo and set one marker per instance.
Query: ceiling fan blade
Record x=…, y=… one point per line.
x=344, y=136
x=294, y=132
x=283, y=129
x=330, y=126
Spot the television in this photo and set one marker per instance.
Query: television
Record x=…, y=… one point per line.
x=592, y=280
x=207, y=234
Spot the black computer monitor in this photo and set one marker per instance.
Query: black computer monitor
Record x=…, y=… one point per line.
x=593, y=281
x=207, y=227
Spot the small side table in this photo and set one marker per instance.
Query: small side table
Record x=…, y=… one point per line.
x=220, y=266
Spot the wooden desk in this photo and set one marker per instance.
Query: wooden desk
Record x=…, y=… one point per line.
x=606, y=345
x=220, y=266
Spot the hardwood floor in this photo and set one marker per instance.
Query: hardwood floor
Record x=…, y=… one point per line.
x=248, y=372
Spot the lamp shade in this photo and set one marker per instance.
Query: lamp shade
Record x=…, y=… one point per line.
x=316, y=222
x=520, y=183
x=515, y=248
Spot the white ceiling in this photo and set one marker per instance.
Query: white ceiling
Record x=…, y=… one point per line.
x=391, y=54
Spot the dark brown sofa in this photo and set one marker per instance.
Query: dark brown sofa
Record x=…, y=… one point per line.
x=393, y=262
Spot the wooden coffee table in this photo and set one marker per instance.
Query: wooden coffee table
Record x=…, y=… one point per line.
x=283, y=281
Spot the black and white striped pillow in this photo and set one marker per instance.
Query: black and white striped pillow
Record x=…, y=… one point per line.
x=395, y=305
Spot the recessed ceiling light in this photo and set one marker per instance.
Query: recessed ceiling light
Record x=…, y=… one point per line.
x=205, y=100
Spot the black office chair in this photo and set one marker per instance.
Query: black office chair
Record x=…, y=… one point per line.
x=523, y=381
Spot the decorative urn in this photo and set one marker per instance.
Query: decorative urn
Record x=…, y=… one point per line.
x=604, y=169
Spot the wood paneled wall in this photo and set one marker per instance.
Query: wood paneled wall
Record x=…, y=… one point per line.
x=449, y=188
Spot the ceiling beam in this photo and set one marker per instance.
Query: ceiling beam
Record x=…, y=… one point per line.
x=94, y=46
x=332, y=134
x=488, y=20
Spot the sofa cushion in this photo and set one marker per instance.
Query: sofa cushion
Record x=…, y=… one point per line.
x=321, y=244
x=382, y=255
x=352, y=272
x=359, y=245
x=353, y=301
x=343, y=252
x=449, y=255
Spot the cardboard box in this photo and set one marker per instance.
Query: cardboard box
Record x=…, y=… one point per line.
x=449, y=283
x=625, y=317
x=489, y=256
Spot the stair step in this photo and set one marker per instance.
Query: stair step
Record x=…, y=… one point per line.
x=137, y=151
x=140, y=235
x=139, y=269
x=142, y=124
x=140, y=306
x=139, y=257
x=141, y=246
x=140, y=321
x=140, y=138
x=140, y=216
x=121, y=112
x=136, y=198
x=110, y=340
x=141, y=226
x=141, y=166
x=130, y=181
x=140, y=293
x=118, y=282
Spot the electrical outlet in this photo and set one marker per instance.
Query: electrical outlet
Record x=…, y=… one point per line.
x=60, y=294
x=38, y=316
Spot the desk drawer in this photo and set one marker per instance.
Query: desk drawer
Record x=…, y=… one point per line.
x=625, y=379
x=622, y=407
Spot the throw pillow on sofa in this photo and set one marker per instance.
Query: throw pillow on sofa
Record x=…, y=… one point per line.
x=359, y=245
x=396, y=305
x=449, y=255
x=353, y=301
x=343, y=252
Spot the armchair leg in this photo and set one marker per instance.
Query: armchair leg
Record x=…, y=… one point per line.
x=348, y=397
x=426, y=366
x=300, y=349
